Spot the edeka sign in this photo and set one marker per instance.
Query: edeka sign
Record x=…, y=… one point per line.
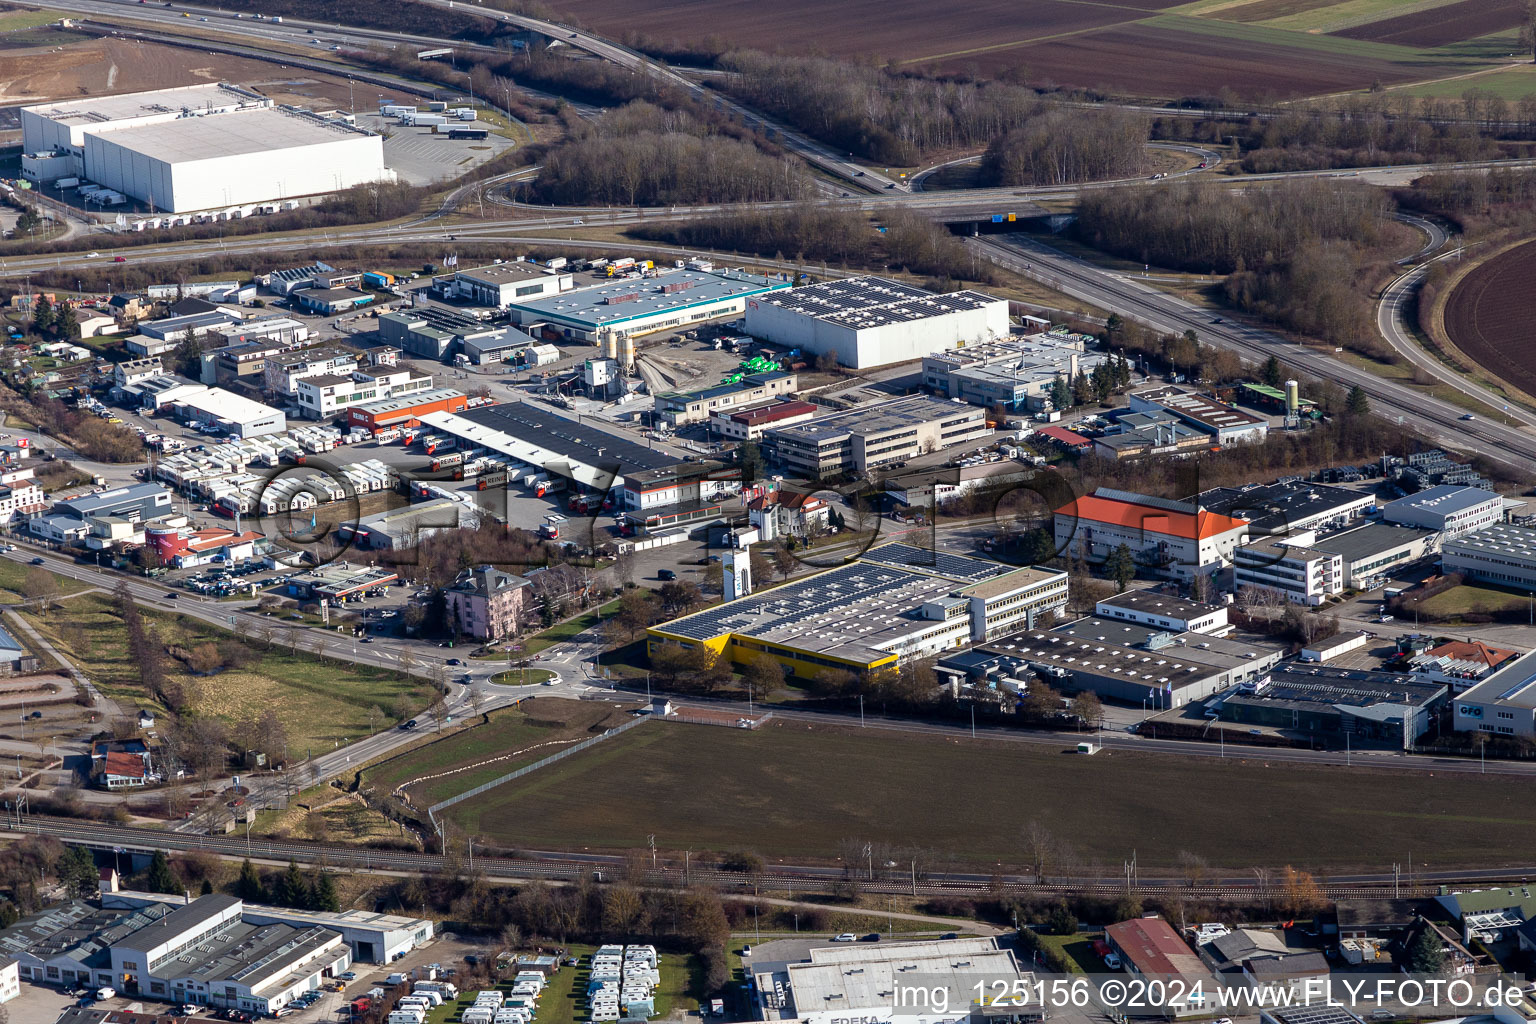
x=866, y=1015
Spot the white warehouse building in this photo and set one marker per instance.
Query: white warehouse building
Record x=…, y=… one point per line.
x=873, y=321
x=200, y=148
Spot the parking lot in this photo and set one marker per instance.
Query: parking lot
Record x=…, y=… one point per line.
x=420, y=156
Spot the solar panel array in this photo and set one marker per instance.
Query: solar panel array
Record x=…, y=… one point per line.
x=941, y=563
x=861, y=302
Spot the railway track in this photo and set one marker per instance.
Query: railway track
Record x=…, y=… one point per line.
x=807, y=879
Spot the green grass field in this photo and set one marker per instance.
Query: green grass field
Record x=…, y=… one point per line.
x=1472, y=597
x=12, y=575
x=531, y=731
x=792, y=790
x=322, y=703
x=1511, y=84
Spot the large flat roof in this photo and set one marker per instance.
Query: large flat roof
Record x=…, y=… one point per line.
x=1513, y=685
x=228, y=406
x=1273, y=507
x=861, y=302
x=1444, y=500
x=1370, y=539
x=857, y=611
x=1152, y=603
x=1503, y=539
x=179, y=921
x=622, y=300
x=875, y=419
x=505, y=273
x=238, y=133
x=106, y=109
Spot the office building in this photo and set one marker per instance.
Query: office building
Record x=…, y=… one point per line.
x=748, y=424
x=1370, y=551
x=1300, y=574
x=874, y=321
x=1012, y=373
x=284, y=372
x=1173, y=538
x=1449, y=509
x=680, y=408
x=326, y=395
x=433, y=332
x=1502, y=554
x=501, y=284
x=857, y=441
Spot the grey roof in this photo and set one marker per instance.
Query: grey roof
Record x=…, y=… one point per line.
x=381, y=406
x=628, y=299
x=76, y=929
x=1444, y=500
x=1513, y=685
x=486, y=580
x=910, y=411
x=1301, y=683
x=115, y=498
x=238, y=133
x=182, y=919
x=1249, y=942
x=1360, y=913
x=506, y=273
x=1503, y=539
x=1271, y=508
x=568, y=437
x=1371, y=539
x=104, y=109
x=960, y=568
x=1150, y=602
x=1283, y=966
x=862, y=302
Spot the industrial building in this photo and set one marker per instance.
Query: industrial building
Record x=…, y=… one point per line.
x=1370, y=551
x=501, y=284
x=228, y=413
x=1333, y=703
x=631, y=307
x=1150, y=433
x=1502, y=554
x=400, y=529
x=677, y=493
x=1223, y=423
x=405, y=412
x=200, y=148
x=1460, y=664
x=895, y=602
x=874, y=321
x=680, y=408
x=1279, y=509
x=434, y=332
x=1150, y=948
x=1451, y=510
x=1121, y=660
x=865, y=439
x=1502, y=704
x=1165, y=611
x=857, y=983
x=1014, y=373
x=136, y=503
x=1174, y=538
x=558, y=446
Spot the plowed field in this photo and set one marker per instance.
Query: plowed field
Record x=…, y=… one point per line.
x=1440, y=25
x=1489, y=317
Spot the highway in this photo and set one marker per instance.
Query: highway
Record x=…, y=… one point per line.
x=1436, y=419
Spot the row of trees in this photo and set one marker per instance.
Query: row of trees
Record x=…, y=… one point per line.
x=293, y=887
x=651, y=168
x=1295, y=253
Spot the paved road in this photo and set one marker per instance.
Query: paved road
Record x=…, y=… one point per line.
x=1392, y=324
x=1436, y=419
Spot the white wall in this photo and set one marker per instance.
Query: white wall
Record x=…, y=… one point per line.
x=235, y=180
x=877, y=346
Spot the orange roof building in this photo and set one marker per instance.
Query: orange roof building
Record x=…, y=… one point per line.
x=1169, y=538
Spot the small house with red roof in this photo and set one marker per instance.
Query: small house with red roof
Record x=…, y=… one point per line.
x=1460, y=664
x=783, y=512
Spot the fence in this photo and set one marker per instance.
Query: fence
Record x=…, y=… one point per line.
x=519, y=773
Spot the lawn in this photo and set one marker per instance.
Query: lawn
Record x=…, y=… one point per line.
x=513, y=737
x=1511, y=84
x=1077, y=950
x=564, y=1000
x=569, y=629
x=1472, y=597
x=322, y=703
x=13, y=573
x=792, y=790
